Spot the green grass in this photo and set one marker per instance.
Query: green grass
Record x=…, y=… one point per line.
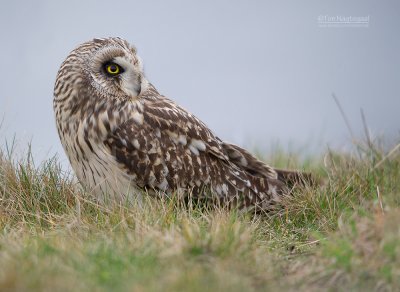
x=341, y=235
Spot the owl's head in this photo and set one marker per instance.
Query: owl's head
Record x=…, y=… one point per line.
x=102, y=68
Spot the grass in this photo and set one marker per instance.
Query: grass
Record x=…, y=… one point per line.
x=341, y=235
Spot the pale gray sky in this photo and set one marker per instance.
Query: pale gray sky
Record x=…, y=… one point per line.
x=255, y=71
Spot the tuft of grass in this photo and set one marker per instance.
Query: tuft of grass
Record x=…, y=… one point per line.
x=340, y=235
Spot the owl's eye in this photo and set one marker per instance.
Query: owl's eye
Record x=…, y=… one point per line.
x=113, y=69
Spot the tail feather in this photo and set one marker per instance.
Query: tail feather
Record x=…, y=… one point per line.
x=255, y=167
x=293, y=177
x=279, y=180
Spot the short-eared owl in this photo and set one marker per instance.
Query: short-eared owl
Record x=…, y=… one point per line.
x=122, y=137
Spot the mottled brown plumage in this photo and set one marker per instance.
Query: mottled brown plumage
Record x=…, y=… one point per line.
x=122, y=137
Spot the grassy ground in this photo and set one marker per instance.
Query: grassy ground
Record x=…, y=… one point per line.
x=343, y=235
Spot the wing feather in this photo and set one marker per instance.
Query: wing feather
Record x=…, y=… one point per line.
x=247, y=161
x=170, y=149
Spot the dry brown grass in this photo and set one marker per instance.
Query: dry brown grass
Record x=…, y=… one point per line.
x=339, y=236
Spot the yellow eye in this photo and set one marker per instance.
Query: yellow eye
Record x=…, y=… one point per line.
x=113, y=69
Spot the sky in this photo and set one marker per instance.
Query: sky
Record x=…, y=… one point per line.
x=256, y=72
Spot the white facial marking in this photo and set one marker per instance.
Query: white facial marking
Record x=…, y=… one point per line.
x=130, y=78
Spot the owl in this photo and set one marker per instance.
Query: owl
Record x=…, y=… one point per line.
x=125, y=140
